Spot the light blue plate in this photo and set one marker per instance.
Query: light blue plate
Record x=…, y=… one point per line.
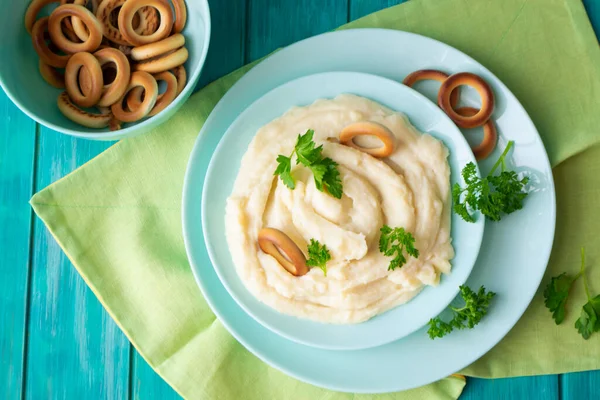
x=513, y=255
x=22, y=82
x=224, y=167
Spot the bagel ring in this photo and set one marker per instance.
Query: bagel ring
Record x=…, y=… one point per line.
x=180, y=15
x=181, y=75
x=85, y=81
x=146, y=18
x=78, y=26
x=134, y=98
x=147, y=81
x=476, y=82
x=51, y=75
x=42, y=48
x=368, y=128
x=103, y=13
x=90, y=63
x=79, y=116
x=163, y=63
x=34, y=9
x=93, y=26
x=114, y=124
x=273, y=241
x=95, y=5
x=104, y=110
x=128, y=11
x=148, y=21
x=158, y=48
x=116, y=88
x=69, y=31
x=430, y=74
x=490, y=135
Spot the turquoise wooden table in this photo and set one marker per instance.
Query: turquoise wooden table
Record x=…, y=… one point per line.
x=56, y=341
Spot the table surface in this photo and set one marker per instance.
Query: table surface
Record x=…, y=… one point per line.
x=56, y=340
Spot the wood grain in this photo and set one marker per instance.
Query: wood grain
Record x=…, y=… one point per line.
x=147, y=384
x=276, y=23
x=17, y=144
x=226, y=51
x=530, y=388
x=75, y=350
x=580, y=385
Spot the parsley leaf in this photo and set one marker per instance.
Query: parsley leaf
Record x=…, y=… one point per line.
x=589, y=320
x=284, y=169
x=331, y=179
x=475, y=308
x=318, y=255
x=394, y=242
x=460, y=208
x=305, y=149
x=493, y=195
x=325, y=172
x=556, y=293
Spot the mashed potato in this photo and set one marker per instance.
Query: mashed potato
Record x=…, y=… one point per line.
x=409, y=189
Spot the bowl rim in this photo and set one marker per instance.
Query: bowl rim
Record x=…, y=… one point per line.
x=136, y=129
x=250, y=309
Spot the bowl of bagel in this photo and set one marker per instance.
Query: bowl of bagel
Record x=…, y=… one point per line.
x=103, y=69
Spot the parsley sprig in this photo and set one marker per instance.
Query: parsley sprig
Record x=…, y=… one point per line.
x=324, y=170
x=318, y=255
x=557, y=292
x=394, y=242
x=475, y=308
x=555, y=299
x=493, y=195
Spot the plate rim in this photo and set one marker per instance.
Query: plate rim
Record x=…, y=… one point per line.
x=212, y=252
x=188, y=242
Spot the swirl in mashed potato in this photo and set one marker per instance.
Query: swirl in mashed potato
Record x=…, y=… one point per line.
x=409, y=189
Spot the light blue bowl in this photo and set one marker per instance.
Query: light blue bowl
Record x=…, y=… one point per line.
x=224, y=166
x=22, y=82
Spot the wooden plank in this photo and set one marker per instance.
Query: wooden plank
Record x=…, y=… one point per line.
x=276, y=23
x=75, y=349
x=226, y=54
x=360, y=8
x=227, y=46
x=147, y=384
x=580, y=385
x=17, y=147
x=530, y=387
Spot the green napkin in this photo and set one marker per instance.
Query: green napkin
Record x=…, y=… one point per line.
x=134, y=258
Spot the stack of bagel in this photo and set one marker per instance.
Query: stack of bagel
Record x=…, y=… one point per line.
x=463, y=117
x=114, y=53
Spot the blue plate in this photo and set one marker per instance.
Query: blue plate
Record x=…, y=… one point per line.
x=513, y=255
x=224, y=167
